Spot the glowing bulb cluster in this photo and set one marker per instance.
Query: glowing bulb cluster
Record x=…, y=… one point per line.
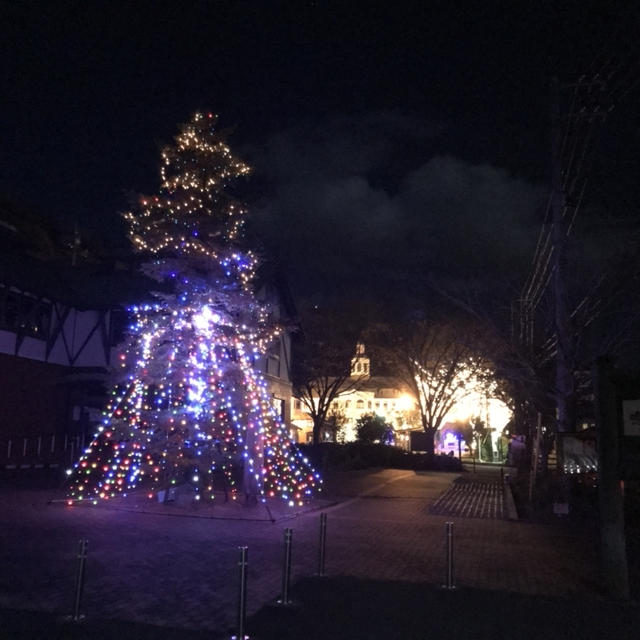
x=192, y=207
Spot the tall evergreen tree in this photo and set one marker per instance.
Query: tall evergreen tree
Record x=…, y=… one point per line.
x=190, y=406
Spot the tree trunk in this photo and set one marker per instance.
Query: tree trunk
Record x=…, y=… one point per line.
x=250, y=482
x=317, y=429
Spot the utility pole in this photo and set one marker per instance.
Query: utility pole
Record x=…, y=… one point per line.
x=613, y=554
x=564, y=377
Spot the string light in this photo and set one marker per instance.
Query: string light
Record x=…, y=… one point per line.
x=190, y=406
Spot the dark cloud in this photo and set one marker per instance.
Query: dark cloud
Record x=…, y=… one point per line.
x=341, y=145
x=338, y=225
x=471, y=216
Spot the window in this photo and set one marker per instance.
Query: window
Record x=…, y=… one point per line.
x=369, y=404
x=35, y=316
x=360, y=404
x=298, y=405
x=278, y=404
x=273, y=366
x=11, y=310
x=24, y=313
x=119, y=320
x=347, y=404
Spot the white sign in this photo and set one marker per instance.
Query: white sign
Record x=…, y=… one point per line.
x=631, y=417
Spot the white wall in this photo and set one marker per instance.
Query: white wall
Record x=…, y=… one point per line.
x=80, y=341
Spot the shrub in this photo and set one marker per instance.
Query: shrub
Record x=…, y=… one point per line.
x=372, y=428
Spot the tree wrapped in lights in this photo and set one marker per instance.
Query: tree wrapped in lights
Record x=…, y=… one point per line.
x=190, y=406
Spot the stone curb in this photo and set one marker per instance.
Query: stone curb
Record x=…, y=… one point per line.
x=254, y=514
x=509, y=503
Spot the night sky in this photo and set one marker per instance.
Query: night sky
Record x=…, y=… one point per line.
x=390, y=141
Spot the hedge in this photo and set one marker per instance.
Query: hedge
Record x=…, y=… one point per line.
x=361, y=455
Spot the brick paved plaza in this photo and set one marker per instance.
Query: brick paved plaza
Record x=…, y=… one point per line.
x=180, y=569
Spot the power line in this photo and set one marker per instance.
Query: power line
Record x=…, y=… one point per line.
x=591, y=100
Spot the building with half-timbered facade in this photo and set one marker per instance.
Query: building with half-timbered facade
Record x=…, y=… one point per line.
x=60, y=327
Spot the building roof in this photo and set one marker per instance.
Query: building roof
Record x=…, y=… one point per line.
x=83, y=287
x=34, y=260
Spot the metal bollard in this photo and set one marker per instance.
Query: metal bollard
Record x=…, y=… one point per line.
x=24, y=448
x=286, y=568
x=39, y=446
x=242, y=594
x=449, y=584
x=82, y=556
x=323, y=543
x=9, y=449
x=53, y=442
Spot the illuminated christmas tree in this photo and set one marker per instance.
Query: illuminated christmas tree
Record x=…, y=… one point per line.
x=190, y=407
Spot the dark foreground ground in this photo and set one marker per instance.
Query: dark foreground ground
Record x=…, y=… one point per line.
x=348, y=608
x=354, y=609
x=151, y=576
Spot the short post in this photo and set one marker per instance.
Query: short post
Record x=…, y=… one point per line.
x=449, y=584
x=53, y=442
x=242, y=594
x=286, y=568
x=9, y=450
x=323, y=543
x=24, y=448
x=82, y=556
x=39, y=446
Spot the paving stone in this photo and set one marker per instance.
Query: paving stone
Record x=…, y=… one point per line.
x=471, y=500
x=182, y=571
